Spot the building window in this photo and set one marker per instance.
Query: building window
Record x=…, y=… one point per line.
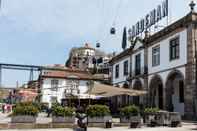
x=181, y=92
x=126, y=68
x=155, y=56
x=54, y=85
x=117, y=71
x=53, y=99
x=138, y=64
x=72, y=87
x=174, y=48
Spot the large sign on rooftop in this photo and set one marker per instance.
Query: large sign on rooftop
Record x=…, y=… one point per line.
x=150, y=19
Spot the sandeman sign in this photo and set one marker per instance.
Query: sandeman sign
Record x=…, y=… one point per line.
x=150, y=19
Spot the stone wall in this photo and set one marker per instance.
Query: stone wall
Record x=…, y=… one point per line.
x=190, y=77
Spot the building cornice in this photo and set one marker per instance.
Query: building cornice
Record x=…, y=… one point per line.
x=181, y=23
x=123, y=54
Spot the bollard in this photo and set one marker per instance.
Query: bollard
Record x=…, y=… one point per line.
x=108, y=124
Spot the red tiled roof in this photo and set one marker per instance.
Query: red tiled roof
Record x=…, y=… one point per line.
x=68, y=73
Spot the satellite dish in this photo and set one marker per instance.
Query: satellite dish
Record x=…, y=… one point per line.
x=113, y=31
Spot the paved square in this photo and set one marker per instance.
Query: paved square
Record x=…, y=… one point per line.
x=186, y=127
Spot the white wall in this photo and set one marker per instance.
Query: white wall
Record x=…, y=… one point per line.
x=165, y=62
x=121, y=79
x=47, y=93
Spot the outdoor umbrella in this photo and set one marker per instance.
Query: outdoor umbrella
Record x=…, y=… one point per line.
x=109, y=91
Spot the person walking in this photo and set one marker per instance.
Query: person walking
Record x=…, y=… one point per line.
x=81, y=119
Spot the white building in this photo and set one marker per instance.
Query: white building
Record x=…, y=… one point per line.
x=60, y=85
x=164, y=64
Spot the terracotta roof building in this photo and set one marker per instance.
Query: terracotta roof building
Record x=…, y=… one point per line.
x=62, y=83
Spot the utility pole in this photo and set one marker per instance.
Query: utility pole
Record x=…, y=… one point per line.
x=31, y=77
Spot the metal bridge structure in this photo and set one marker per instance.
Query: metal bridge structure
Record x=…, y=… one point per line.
x=30, y=68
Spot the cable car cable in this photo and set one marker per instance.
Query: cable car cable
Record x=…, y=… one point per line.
x=113, y=29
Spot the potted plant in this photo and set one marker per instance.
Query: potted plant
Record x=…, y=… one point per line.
x=150, y=115
x=24, y=113
x=130, y=114
x=63, y=114
x=98, y=114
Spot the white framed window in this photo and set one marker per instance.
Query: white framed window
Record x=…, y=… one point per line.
x=126, y=68
x=72, y=87
x=156, y=56
x=54, y=85
x=117, y=71
x=138, y=64
x=53, y=99
x=174, y=48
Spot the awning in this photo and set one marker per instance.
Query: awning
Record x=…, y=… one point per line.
x=108, y=91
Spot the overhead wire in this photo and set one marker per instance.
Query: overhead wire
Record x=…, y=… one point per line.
x=117, y=12
x=116, y=15
x=102, y=17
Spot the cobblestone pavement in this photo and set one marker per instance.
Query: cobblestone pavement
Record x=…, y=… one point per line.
x=117, y=129
x=187, y=126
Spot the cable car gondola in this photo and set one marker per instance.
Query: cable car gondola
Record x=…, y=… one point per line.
x=113, y=31
x=98, y=45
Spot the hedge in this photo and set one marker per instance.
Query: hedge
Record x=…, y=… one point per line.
x=62, y=111
x=98, y=110
x=128, y=111
x=25, y=108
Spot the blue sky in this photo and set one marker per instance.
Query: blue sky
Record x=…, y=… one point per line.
x=42, y=32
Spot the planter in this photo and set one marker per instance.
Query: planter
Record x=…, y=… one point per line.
x=63, y=119
x=175, y=119
x=135, y=121
x=162, y=118
x=130, y=119
x=99, y=119
x=23, y=119
x=135, y=124
x=150, y=119
x=124, y=119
